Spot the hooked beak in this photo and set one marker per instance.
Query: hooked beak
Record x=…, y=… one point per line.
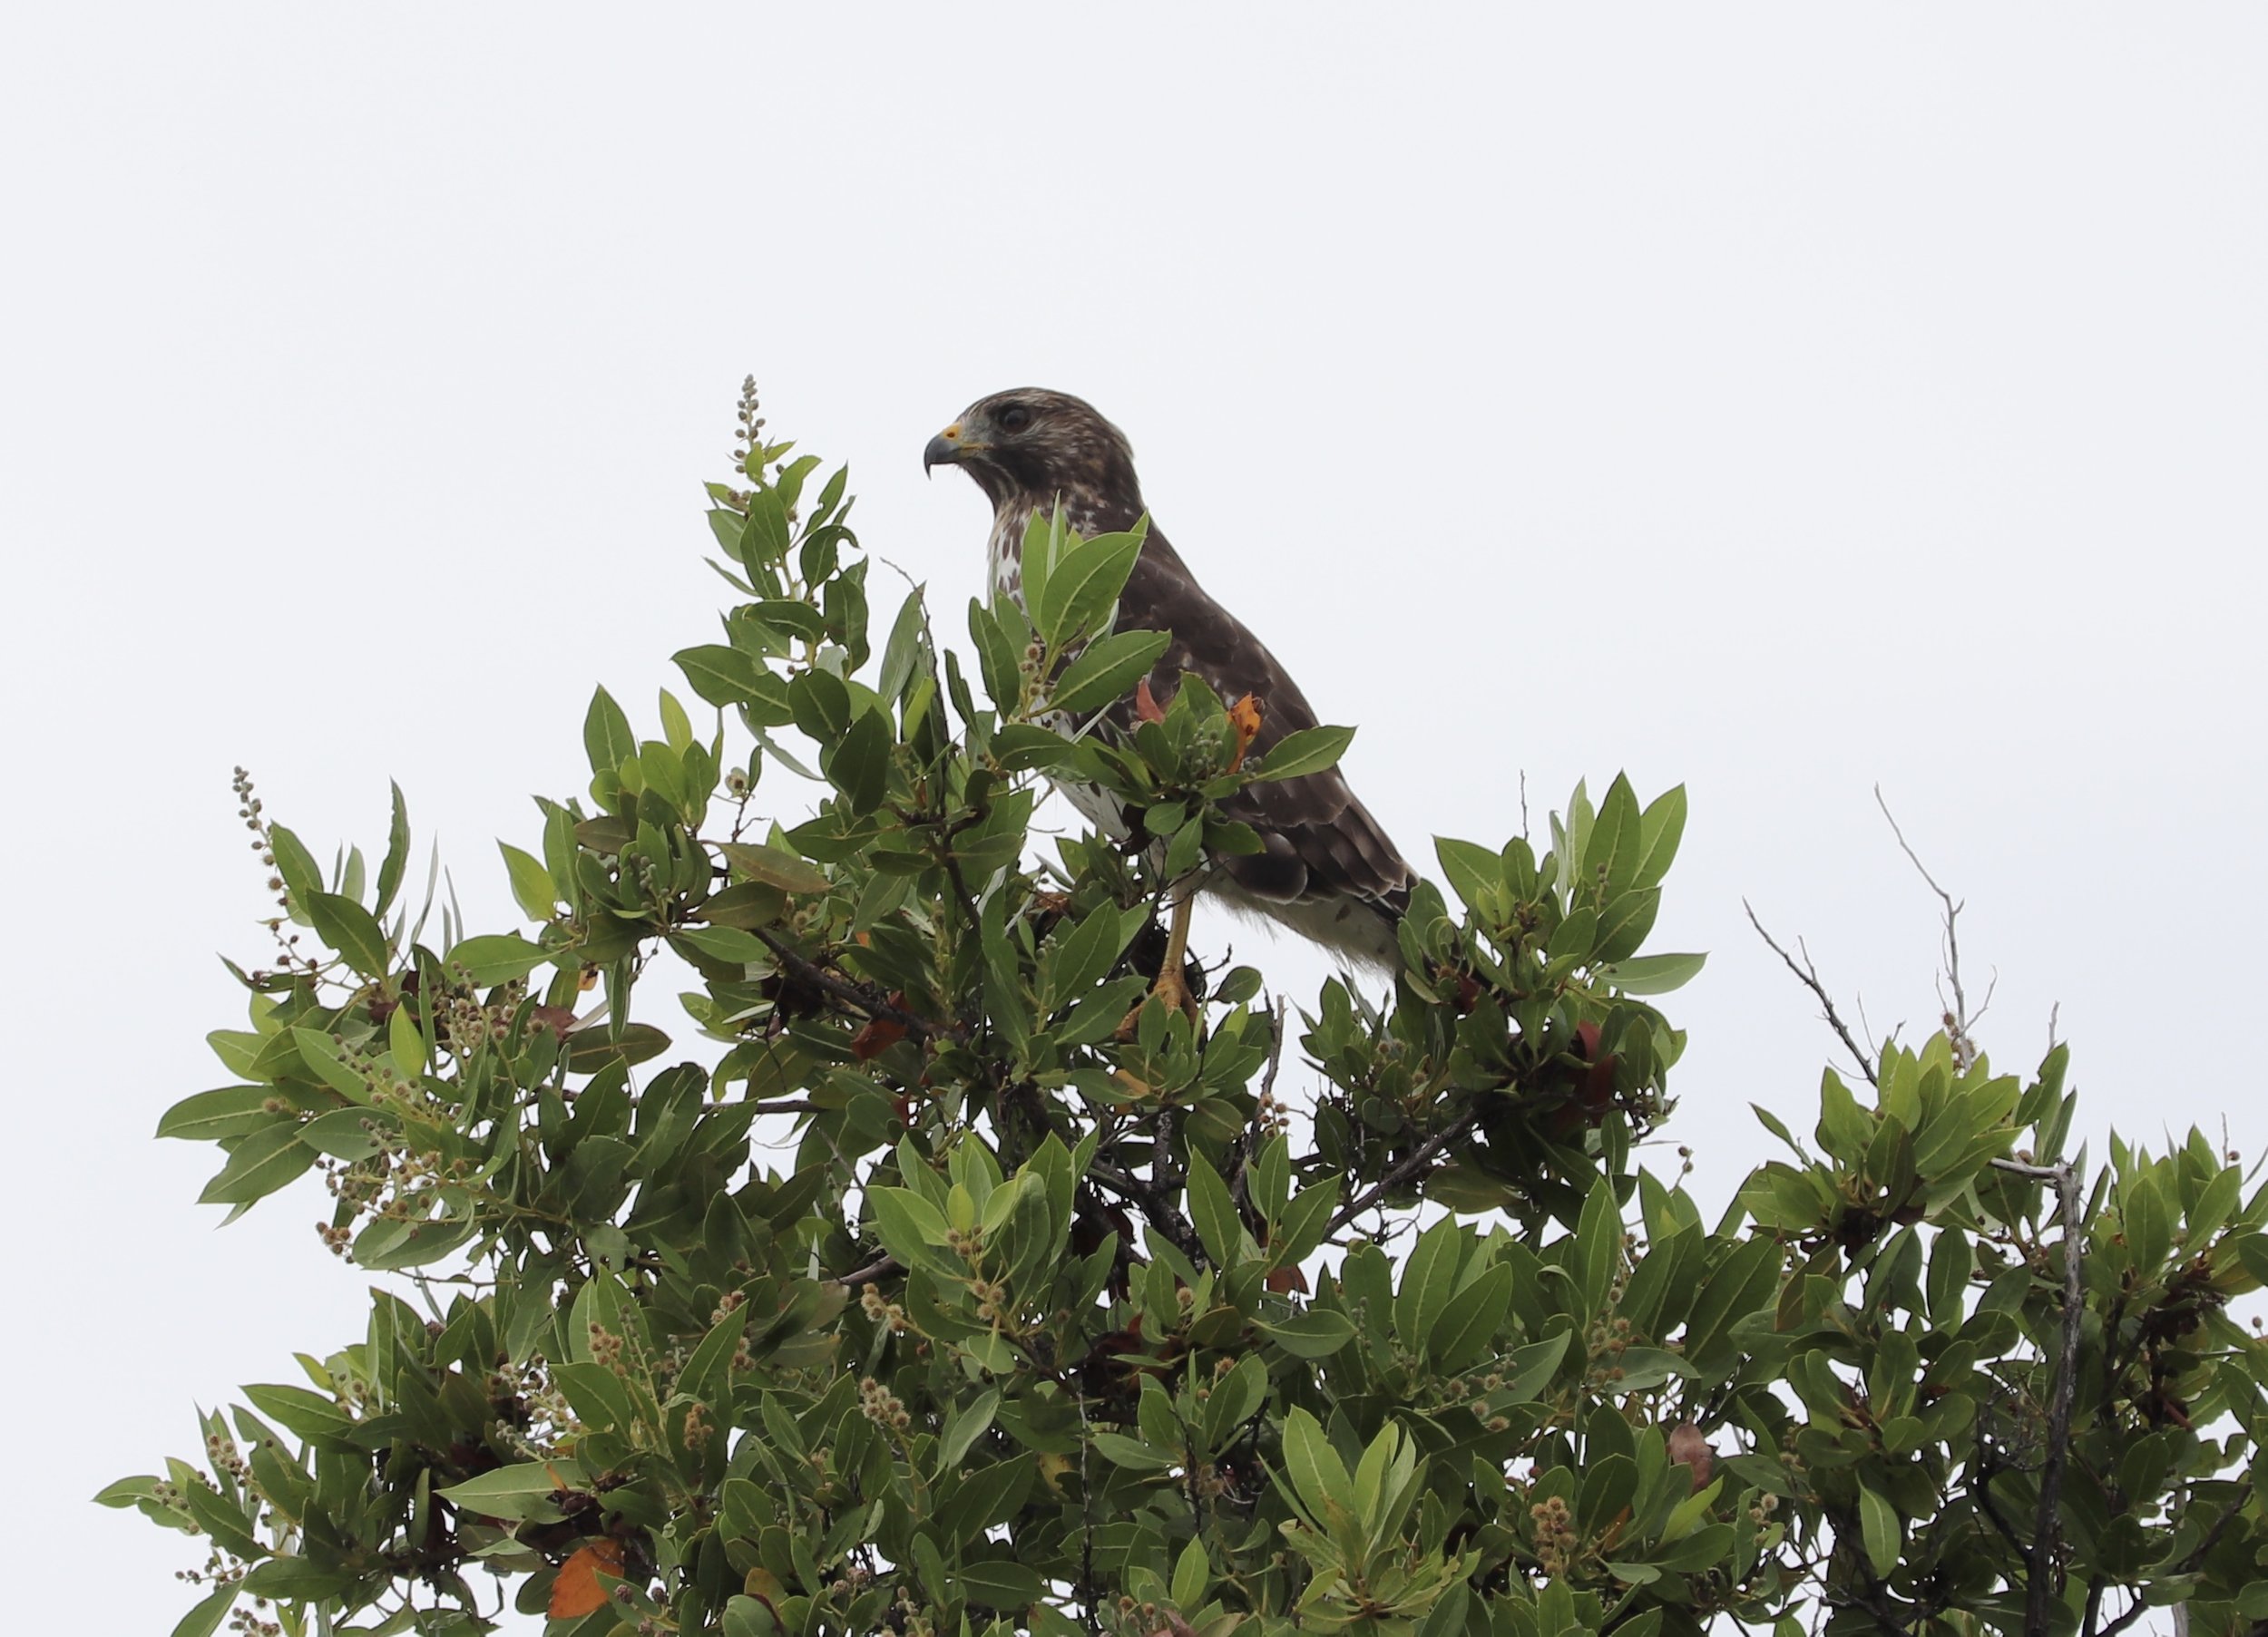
x=946, y=449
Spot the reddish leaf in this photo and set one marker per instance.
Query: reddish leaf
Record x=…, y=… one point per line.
x=1289, y=1278
x=576, y=1592
x=1146, y=706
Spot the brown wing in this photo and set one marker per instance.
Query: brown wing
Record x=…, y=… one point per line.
x=1320, y=841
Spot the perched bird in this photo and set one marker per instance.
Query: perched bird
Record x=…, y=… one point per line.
x=1326, y=871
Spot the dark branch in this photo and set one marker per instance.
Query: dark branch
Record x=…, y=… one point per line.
x=1420, y=1158
x=1156, y=1206
x=857, y=995
x=882, y=1267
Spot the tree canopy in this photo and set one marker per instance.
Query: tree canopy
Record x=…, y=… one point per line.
x=1044, y=1307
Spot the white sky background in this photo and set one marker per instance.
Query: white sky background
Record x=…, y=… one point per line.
x=1776, y=400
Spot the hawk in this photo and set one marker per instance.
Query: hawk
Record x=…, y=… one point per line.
x=1326, y=869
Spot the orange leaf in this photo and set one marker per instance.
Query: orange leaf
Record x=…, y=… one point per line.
x=1289, y=1277
x=1146, y=706
x=878, y=1037
x=1244, y=717
x=576, y=1592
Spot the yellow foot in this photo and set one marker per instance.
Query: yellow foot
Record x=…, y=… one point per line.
x=1172, y=989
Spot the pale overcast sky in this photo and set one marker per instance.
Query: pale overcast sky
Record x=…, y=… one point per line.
x=1778, y=400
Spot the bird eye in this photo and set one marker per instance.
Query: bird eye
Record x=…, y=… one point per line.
x=1015, y=417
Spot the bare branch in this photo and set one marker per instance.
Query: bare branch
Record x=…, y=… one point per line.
x=1809, y=976
x=1960, y=1021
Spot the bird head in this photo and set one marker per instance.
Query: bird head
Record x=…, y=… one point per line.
x=1031, y=442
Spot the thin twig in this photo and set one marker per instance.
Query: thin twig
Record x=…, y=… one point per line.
x=1958, y=1019
x=880, y=1268
x=1809, y=976
x=1418, y=1161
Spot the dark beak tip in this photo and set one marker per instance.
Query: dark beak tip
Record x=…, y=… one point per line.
x=940, y=452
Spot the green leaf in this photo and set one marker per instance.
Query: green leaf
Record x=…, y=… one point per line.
x=313, y=1416
x=1309, y=750
x=1427, y=1279
x=1660, y=831
x=228, y=1111
x=677, y=727
x=1304, y=1220
x=908, y=1223
x=496, y=958
x=1105, y=671
x=523, y=1490
x=996, y=657
x=759, y=860
x=1878, y=1528
x=1472, y=871
x=1120, y=1450
x=1214, y=1213
x=205, y=1619
x=721, y=674
x=965, y=1426
x=1464, y=1329
x=531, y=883
x=293, y=1579
x=1531, y=1369
x=858, y=763
x=390, y=1242
x=589, y=1050
x=1316, y=1333
x=1192, y=1573
x=126, y=1492
x=1046, y=539
x=606, y=735
x=302, y=877
x=323, y=1057
x=1082, y=587
x=260, y=1163
x=1077, y=958
x=997, y=1585
x=351, y=929
x=1319, y=1478
x=764, y=538
x=396, y=858
x=1611, y=857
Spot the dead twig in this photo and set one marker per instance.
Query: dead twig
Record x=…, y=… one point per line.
x=1808, y=975
x=1959, y=1019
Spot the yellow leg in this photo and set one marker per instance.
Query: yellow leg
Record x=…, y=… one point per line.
x=1171, y=987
